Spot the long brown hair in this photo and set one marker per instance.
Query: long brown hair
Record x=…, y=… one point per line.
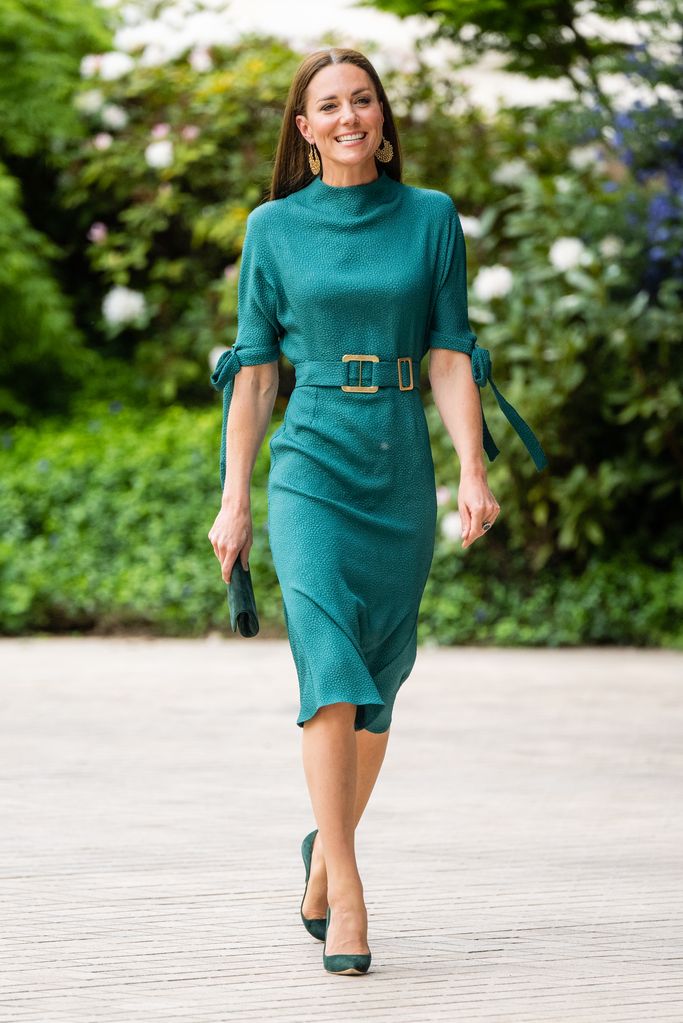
x=291, y=170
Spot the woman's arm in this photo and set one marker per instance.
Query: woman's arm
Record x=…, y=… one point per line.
x=251, y=408
x=456, y=397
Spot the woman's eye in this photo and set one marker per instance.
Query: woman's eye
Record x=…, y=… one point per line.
x=362, y=99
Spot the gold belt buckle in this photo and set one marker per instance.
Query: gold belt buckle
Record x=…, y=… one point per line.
x=405, y=358
x=359, y=387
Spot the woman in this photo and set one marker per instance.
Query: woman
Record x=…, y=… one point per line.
x=353, y=275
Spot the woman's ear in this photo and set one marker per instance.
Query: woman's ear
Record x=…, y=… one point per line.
x=302, y=125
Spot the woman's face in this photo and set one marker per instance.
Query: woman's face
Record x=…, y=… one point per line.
x=341, y=100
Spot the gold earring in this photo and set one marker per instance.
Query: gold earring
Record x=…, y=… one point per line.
x=385, y=151
x=314, y=160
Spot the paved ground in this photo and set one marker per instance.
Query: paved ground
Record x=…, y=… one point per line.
x=521, y=854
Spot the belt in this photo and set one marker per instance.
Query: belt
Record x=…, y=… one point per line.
x=361, y=373
x=402, y=372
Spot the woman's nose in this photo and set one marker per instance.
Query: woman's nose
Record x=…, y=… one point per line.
x=348, y=114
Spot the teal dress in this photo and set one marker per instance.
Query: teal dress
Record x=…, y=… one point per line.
x=329, y=270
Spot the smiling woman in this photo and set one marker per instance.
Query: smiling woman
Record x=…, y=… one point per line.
x=354, y=276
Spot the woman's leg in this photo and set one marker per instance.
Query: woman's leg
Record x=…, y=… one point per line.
x=370, y=750
x=341, y=767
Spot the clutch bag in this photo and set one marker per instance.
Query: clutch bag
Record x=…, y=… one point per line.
x=241, y=601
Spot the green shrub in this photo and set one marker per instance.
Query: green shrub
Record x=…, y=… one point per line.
x=105, y=529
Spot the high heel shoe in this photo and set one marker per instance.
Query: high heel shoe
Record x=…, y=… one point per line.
x=345, y=962
x=314, y=925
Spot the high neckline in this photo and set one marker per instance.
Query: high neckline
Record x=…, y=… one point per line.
x=351, y=199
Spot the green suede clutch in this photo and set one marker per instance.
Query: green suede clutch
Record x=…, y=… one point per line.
x=241, y=601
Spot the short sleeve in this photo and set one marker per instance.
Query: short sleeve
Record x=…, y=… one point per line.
x=449, y=328
x=449, y=324
x=258, y=329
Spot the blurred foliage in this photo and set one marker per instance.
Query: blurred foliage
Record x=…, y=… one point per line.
x=119, y=274
x=534, y=37
x=42, y=358
x=41, y=46
x=45, y=357
x=106, y=530
x=174, y=233
x=107, y=520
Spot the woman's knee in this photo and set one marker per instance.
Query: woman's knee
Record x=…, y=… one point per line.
x=337, y=713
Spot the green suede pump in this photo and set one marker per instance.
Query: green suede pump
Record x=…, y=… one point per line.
x=314, y=925
x=345, y=962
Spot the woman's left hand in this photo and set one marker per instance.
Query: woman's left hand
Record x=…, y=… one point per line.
x=476, y=504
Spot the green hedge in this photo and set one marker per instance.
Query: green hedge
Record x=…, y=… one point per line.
x=105, y=522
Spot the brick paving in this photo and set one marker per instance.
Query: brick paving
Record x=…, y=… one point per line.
x=521, y=853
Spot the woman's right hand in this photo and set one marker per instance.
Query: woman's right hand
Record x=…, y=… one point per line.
x=230, y=534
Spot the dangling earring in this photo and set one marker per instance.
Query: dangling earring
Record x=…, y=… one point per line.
x=314, y=160
x=385, y=151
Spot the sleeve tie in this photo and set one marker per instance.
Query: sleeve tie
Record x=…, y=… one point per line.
x=222, y=379
x=481, y=371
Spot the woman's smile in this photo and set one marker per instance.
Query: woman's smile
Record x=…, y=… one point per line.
x=353, y=139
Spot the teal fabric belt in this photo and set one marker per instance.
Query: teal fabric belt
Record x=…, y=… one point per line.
x=384, y=373
x=365, y=373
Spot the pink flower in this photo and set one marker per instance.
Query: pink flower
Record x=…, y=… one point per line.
x=230, y=272
x=443, y=495
x=102, y=140
x=161, y=130
x=190, y=132
x=98, y=232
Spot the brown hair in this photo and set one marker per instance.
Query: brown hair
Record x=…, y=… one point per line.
x=291, y=170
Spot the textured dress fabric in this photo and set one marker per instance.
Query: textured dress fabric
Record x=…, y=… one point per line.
x=373, y=268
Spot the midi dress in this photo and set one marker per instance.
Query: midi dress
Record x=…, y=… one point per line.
x=375, y=268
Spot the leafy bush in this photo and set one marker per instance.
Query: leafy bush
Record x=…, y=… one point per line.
x=574, y=230
x=42, y=358
x=106, y=529
x=107, y=522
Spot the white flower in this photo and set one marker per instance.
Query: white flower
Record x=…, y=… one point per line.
x=214, y=356
x=610, y=246
x=451, y=526
x=90, y=65
x=471, y=226
x=478, y=314
x=98, y=232
x=90, y=101
x=200, y=59
x=114, y=116
x=122, y=305
x=568, y=253
x=159, y=154
x=492, y=282
x=102, y=140
x=211, y=28
x=155, y=55
x=115, y=65
x=420, y=112
x=563, y=184
x=569, y=303
x=581, y=157
x=510, y=173
x=443, y=495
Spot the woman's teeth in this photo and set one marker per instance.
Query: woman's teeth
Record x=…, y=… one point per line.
x=350, y=139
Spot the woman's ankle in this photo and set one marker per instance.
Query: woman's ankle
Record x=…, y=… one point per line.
x=346, y=895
